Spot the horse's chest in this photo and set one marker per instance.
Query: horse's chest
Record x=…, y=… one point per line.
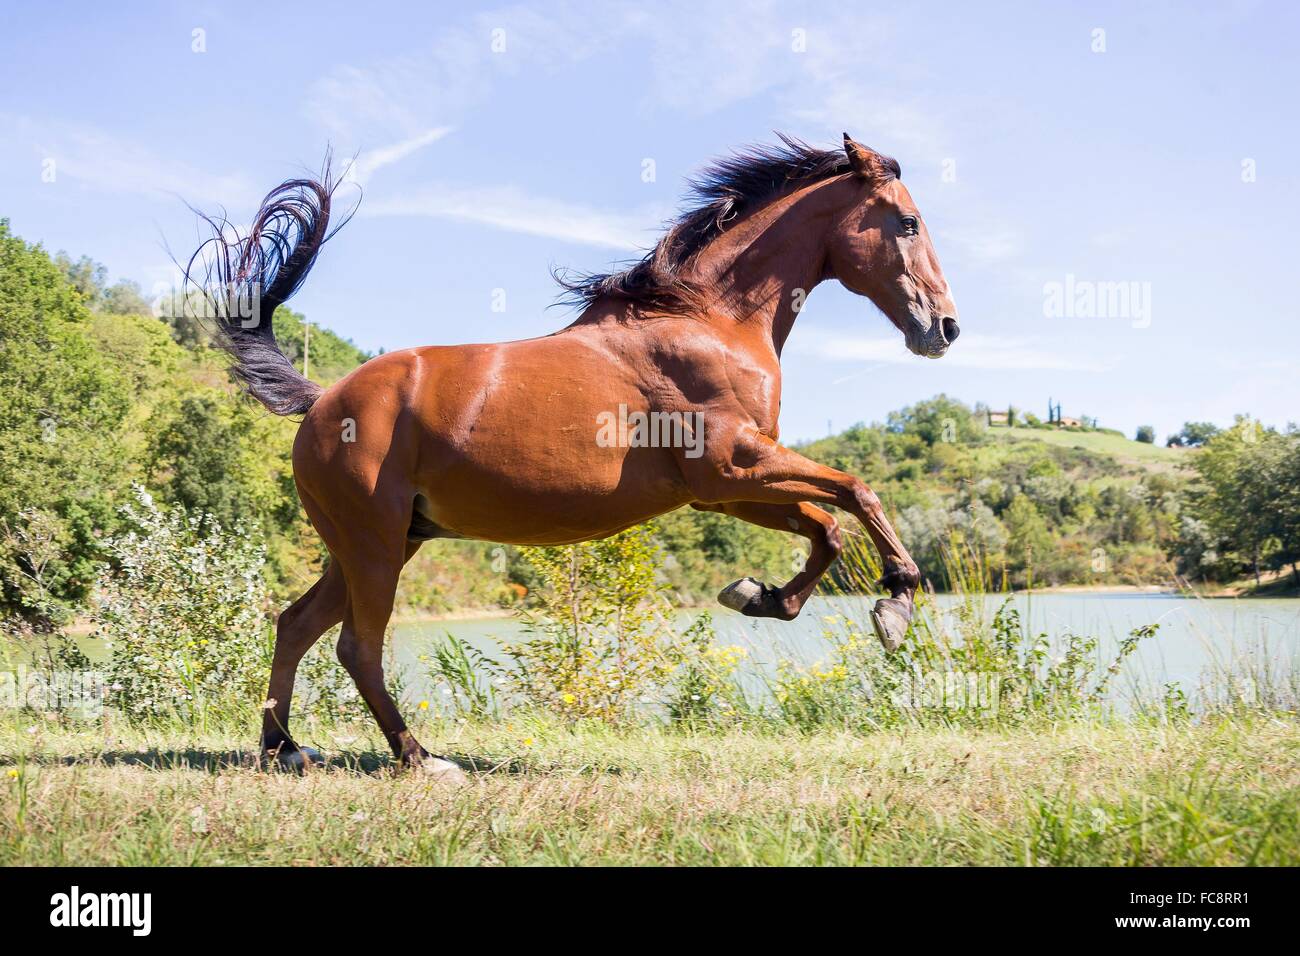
x=757, y=395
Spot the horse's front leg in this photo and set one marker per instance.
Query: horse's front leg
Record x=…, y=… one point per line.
x=752, y=467
x=756, y=599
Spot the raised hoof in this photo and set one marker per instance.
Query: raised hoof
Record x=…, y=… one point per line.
x=890, y=618
x=753, y=599
x=295, y=761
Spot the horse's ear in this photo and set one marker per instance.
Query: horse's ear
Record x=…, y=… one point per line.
x=867, y=163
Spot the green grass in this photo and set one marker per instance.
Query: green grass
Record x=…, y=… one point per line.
x=1099, y=442
x=1222, y=792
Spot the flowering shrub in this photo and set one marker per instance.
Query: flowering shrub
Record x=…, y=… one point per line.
x=705, y=686
x=599, y=639
x=600, y=642
x=182, y=610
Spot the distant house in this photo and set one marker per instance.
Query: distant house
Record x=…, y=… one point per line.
x=1054, y=417
x=1009, y=417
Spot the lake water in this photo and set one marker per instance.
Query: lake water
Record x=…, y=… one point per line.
x=1197, y=637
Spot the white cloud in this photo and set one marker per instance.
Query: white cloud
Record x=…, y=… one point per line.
x=513, y=210
x=971, y=351
x=702, y=58
x=367, y=163
x=110, y=163
x=444, y=79
x=398, y=97
x=705, y=60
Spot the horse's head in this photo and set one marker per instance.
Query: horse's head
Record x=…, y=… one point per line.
x=879, y=247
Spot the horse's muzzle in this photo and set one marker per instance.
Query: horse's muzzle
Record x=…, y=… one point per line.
x=934, y=342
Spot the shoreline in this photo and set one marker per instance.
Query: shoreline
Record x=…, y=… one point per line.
x=455, y=614
x=82, y=627
x=488, y=614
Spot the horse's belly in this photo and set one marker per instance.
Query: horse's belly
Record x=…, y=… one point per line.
x=516, y=501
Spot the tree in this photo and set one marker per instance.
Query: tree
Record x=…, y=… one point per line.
x=195, y=459
x=90, y=279
x=1193, y=435
x=63, y=404
x=1146, y=434
x=1248, y=493
x=1290, y=503
x=124, y=298
x=206, y=456
x=332, y=356
x=939, y=419
x=1028, y=537
x=86, y=275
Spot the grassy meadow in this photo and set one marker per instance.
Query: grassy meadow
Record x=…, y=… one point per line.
x=840, y=762
x=1218, y=792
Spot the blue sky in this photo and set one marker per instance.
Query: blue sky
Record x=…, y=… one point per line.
x=1160, y=153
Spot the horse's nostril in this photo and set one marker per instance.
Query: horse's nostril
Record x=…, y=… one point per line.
x=950, y=329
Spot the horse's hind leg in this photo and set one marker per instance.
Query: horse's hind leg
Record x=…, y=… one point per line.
x=372, y=585
x=299, y=627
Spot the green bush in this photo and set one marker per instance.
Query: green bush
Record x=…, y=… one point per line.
x=965, y=665
x=600, y=642
x=182, y=611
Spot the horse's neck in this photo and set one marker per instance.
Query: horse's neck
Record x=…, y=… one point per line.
x=763, y=268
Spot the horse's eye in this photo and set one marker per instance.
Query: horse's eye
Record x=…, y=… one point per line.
x=909, y=225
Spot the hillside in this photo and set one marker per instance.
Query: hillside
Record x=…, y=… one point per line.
x=1107, y=443
x=1043, y=506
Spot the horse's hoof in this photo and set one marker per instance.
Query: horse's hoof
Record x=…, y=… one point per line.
x=739, y=594
x=890, y=618
x=296, y=760
x=753, y=599
x=442, y=771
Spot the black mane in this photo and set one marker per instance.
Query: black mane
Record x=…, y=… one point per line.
x=724, y=191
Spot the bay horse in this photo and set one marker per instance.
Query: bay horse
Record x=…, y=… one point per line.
x=498, y=442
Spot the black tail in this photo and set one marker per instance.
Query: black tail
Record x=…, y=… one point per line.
x=245, y=278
